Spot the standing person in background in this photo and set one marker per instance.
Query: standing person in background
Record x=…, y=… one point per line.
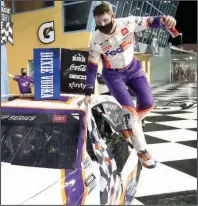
x=181, y=74
x=195, y=75
x=188, y=74
x=113, y=43
x=25, y=82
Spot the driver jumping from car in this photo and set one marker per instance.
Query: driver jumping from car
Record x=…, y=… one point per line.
x=113, y=43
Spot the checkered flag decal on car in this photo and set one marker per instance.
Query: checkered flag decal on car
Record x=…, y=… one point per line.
x=108, y=168
x=7, y=33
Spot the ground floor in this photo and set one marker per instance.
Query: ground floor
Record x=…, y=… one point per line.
x=172, y=140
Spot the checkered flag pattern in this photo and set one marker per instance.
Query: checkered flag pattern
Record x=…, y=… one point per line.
x=171, y=134
x=7, y=33
x=108, y=168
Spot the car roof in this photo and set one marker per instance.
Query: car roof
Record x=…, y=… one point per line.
x=67, y=101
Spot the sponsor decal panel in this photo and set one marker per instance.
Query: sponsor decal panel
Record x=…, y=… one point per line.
x=73, y=71
x=34, y=118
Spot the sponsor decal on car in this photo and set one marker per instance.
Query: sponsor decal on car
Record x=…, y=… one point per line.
x=18, y=117
x=90, y=182
x=59, y=119
x=86, y=163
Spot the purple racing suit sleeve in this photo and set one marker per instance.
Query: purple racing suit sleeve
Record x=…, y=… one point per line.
x=143, y=23
x=92, y=68
x=91, y=73
x=154, y=22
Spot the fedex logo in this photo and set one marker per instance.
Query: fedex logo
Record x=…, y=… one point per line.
x=125, y=45
x=114, y=52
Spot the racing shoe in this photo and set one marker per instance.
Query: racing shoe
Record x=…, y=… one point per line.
x=146, y=159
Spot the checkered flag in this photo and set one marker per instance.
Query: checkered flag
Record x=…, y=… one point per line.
x=108, y=168
x=7, y=33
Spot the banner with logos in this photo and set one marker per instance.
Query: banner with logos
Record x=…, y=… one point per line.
x=73, y=71
x=47, y=73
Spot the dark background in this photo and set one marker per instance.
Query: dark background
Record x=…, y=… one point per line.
x=186, y=17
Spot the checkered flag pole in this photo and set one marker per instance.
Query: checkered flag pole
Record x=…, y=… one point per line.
x=7, y=33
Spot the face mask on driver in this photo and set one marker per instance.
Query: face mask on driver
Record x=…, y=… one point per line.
x=106, y=29
x=23, y=73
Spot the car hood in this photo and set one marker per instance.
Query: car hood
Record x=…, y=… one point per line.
x=29, y=185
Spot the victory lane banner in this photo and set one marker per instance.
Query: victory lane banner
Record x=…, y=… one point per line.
x=73, y=71
x=6, y=26
x=47, y=73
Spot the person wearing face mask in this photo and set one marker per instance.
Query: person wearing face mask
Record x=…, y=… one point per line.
x=113, y=43
x=25, y=82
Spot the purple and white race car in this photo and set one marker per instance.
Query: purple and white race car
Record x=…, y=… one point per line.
x=60, y=153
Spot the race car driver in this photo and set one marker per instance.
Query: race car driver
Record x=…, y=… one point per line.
x=113, y=43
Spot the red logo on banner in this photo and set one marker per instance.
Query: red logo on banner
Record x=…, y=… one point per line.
x=124, y=31
x=59, y=118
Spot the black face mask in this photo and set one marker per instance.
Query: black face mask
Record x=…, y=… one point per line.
x=23, y=73
x=105, y=29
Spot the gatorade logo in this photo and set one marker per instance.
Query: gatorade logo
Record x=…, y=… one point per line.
x=125, y=45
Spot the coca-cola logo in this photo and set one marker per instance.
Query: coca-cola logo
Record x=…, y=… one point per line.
x=80, y=68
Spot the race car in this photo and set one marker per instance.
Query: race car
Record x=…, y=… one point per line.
x=60, y=153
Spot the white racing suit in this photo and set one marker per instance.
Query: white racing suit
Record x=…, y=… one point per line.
x=122, y=70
